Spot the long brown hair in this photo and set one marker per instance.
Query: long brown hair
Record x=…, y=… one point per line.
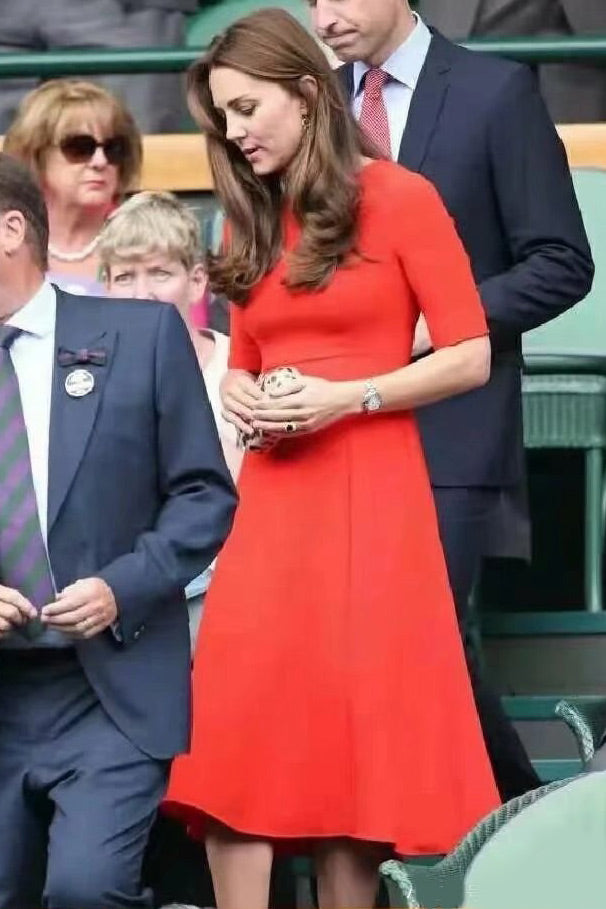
x=321, y=184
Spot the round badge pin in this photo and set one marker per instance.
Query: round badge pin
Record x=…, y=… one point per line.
x=78, y=383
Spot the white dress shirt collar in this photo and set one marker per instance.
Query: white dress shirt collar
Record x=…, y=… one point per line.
x=37, y=317
x=405, y=63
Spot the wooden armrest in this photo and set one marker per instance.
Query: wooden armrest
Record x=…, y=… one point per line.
x=178, y=161
x=585, y=143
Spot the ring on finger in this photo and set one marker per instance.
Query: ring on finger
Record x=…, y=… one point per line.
x=291, y=427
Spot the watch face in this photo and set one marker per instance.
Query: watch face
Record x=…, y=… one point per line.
x=373, y=401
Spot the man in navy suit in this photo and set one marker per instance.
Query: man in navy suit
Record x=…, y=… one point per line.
x=113, y=495
x=477, y=128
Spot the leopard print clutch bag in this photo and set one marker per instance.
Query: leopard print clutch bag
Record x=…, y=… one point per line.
x=275, y=380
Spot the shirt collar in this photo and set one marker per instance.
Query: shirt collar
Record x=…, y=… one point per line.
x=406, y=62
x=37, y=317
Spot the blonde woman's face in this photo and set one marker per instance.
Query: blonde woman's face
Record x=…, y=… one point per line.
x=91, y=183
x=261, y=118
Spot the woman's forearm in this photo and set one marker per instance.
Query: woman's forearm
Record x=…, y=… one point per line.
x=442, y=374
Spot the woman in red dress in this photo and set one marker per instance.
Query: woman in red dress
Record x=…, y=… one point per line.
x=332, y=703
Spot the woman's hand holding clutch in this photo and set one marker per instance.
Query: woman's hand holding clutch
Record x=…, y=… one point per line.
x=239, y=394
x=306, y=404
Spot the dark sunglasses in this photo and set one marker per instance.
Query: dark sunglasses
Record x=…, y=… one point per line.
x=81, y=147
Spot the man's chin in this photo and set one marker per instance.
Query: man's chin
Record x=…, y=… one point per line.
x=348, y=49
x=344, y=57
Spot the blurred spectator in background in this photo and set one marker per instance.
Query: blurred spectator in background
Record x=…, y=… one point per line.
x=150, y=249
x=157, y=100
x=576, y=92
x=84, y=147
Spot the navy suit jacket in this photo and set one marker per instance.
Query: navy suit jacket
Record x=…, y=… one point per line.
x=139, y=495
x=479, y=131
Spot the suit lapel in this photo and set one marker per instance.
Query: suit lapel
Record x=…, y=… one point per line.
x=346, y=78
x=426, y=105
x=72, y=418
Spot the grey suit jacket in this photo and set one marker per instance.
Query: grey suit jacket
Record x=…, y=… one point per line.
x=455, y=20
x=183, y=6
x=574, y=92
x=458, y=19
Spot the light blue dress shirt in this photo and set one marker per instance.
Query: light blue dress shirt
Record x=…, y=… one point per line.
x=404, y=66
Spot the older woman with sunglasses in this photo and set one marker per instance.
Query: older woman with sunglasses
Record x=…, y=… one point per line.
x=85, y=149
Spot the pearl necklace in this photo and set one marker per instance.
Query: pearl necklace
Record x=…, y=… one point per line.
x=75, y=256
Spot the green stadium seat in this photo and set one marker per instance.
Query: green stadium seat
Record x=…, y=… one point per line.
x=587, y=722
x=550, y=856
x=211, y=20
x=564, y=385
x=412, y=883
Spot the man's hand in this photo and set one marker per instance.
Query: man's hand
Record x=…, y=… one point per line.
x=84, y=609
x=15, y=610
x=421, y=341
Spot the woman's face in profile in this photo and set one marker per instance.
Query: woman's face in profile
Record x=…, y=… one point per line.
x=261, y=118
x=87, y=181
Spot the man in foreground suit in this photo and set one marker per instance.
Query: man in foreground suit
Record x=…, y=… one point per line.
x=574, y=92
x=477, y=129
x=113, y=496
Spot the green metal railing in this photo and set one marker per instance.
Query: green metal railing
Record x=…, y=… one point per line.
x=544, y=50
x=56, y=63
x=89, y=61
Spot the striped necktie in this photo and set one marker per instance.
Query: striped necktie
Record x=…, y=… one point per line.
x=373, y=116
x=24, y=562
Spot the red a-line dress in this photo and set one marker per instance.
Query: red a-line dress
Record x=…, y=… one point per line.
x=331, y=697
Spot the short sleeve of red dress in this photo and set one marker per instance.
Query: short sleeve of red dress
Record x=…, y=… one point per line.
x=436, y=264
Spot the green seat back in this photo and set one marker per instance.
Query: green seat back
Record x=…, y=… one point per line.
x=581, y=331
x=211, y=20
x=551, y=856
x=413, y=884
x=587, y=722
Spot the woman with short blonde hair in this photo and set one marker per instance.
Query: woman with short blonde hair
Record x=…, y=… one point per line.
x=150, y=221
